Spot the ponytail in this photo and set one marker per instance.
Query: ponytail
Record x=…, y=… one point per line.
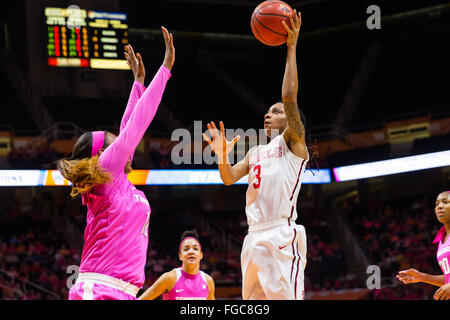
x=313, y=150
x=313, y=147
x=83, y=173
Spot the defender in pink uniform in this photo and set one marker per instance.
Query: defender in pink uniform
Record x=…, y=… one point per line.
x=187, y=282
x=442, y=238
x=116, y=234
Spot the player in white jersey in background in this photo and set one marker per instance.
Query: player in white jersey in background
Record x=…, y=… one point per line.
x=273, y=256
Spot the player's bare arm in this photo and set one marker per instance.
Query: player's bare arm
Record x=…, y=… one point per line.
x=415, y=276
x=211, y=286
x=222, y=147
x=164, y=284
x=295, y=132
x=443, y=293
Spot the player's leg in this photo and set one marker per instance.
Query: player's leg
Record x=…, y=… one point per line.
x=299, y=279
x=299, y=283
x=285, y=278
x=268, y=248
x=277, y=283
x=251, y=286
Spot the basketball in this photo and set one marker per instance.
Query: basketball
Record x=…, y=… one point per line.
x=266, y=22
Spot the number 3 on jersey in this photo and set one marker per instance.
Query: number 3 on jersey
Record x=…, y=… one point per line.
x=257, y=169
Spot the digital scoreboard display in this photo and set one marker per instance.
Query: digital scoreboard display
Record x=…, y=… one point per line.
x=86, y=38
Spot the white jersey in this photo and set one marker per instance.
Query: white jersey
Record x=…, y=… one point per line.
x=274, y=181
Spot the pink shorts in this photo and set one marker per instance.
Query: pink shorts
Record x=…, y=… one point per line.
x=89, y=290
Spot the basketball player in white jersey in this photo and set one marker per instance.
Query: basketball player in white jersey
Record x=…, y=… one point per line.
x=273, y=256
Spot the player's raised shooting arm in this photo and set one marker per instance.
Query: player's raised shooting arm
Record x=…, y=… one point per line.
x=164, y=283
x=295, y=132
x=289, y=93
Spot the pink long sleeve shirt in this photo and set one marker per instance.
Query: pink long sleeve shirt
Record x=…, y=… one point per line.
x=116, y=234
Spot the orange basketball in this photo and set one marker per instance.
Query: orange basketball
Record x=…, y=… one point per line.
x=266, y=22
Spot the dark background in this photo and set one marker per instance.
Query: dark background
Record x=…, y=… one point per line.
x=410, y=73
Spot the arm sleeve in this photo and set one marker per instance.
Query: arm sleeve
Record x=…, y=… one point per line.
x=136, y=92
x=115, y=157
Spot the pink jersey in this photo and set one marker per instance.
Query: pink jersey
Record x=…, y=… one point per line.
x=188, y=287
x=116, y=234
x=443, y=253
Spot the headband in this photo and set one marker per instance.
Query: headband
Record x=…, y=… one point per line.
x=98, y=140
x=179, y=248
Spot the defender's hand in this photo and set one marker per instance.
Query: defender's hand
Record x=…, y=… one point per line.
x=169, y=58
x=136, y=64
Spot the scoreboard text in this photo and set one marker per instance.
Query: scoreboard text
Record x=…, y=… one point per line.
x=87, y=39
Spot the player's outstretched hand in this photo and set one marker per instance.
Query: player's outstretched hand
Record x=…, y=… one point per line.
x=169, y=57
x=294, y=29
x=218, y=142
x=136, y=64
x=409, y=276
x=443, y=293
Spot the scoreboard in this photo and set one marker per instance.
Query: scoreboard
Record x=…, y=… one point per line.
x=86, y=38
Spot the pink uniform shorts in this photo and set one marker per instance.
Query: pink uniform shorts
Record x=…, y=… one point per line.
x=89, y=290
